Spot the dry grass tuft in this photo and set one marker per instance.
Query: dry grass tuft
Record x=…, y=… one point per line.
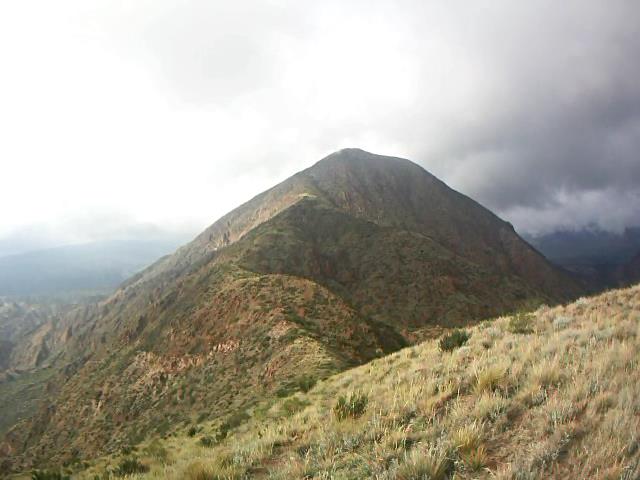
x=468, y=437
x=546, y=374
x=490, y=379
x=431, y=463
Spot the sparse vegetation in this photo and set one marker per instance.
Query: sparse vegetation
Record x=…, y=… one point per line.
x=293, y=405
x=468, y=437
x=490, y=379
x=431, y=463
x=521, y=322
x=306, y=382
x=130, y=466
x=352, y=406
x=521, y=410
x=453, y=340
x=48, y=475
x=207, y=441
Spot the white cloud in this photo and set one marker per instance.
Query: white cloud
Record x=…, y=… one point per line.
x=173, y=113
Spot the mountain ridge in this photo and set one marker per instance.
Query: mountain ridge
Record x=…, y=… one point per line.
x=345, y=261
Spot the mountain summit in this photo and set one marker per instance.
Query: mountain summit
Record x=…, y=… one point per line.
x=392, y=193
x=350, y=259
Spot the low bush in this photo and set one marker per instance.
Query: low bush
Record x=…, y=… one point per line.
x=305, y=383
x=157, y=451
x=454, y=340
x=48, y=475
x=352, y=406
x=292, y=406
x=207, y=441
x=521, y=323
x=130, y=466
x=198, y=471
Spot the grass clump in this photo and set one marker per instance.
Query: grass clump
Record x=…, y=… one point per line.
x=48, y=475
x=432, y=463
x=546, y=374
x=157, y=451
x=476, y=459
x=454, y=340
x=521, y=323
x=490, y=379
x=207, y=441
x=306, y=383
x=490, y=406
x=199, y=471
x=293, y=405
x=130, y=466
x=352, y=406
x=467, y=440
x=468, y=437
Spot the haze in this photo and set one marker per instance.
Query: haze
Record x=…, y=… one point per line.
x=126, y=117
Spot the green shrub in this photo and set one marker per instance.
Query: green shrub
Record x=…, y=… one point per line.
x=521, y=323
x=283, y=392
x=129, y=466
x=454, y=340
x=232, y=422
x=48, y=475
x=207, y=441
x=192, y=431
x=126, y=449
x=352, y=406
x=306, y=383
x=157, y=451
x=292, y=406
x=199, y=471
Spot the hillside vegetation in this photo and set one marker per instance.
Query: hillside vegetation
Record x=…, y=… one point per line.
x=551, y=394
x=349, y=260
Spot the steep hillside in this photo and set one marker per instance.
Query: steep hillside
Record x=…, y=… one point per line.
x=599, y=259
x=389, y=192
x=75, y=272
x=29, y=332
x=552, y=394
x=345, y=261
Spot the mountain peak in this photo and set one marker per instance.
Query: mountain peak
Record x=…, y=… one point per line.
x=357, y=154
x=351, y=152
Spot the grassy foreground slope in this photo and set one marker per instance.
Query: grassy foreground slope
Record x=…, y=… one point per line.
x=552, y=394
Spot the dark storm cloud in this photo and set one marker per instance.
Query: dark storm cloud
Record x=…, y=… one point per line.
x=528, y=107
x=564, y=123
x=532, y=108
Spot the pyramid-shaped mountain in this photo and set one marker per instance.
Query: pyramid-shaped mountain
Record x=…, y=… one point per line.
x=350, y=259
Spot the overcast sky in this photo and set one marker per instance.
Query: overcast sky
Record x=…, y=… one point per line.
x=121, y=117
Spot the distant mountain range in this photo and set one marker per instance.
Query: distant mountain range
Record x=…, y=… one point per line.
x=75, y=271
x=598, y=258
x=351, y=259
